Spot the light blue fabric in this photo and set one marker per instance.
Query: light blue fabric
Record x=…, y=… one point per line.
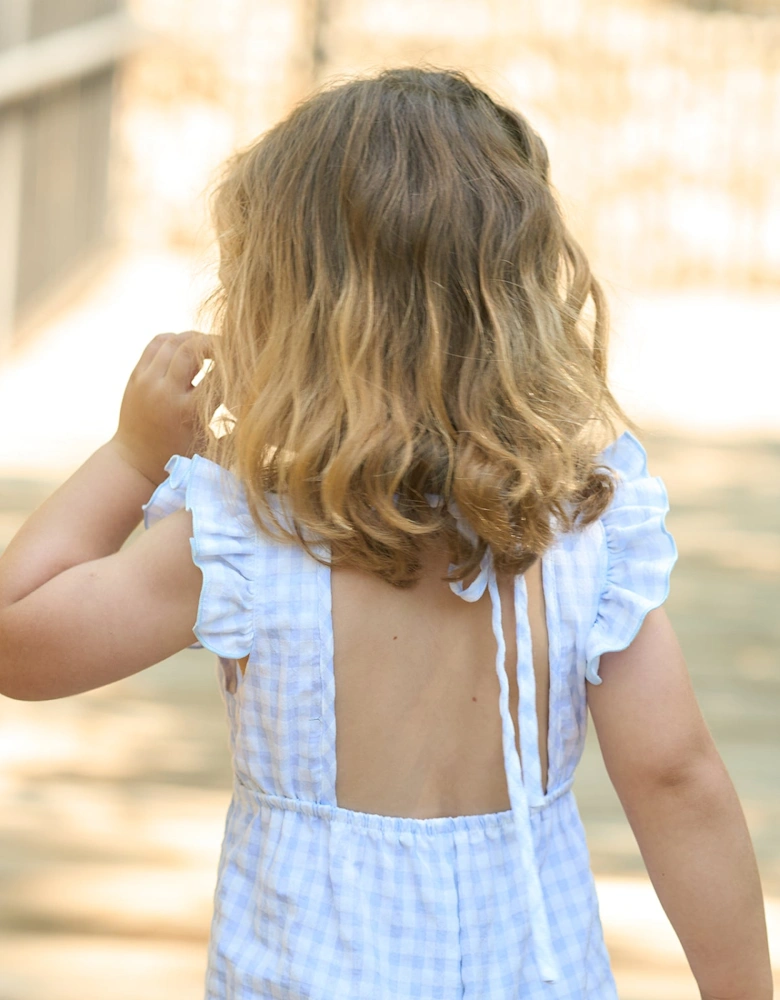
x=639, y=548
x=317, y=901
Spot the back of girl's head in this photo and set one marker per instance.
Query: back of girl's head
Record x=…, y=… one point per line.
x=401, y=311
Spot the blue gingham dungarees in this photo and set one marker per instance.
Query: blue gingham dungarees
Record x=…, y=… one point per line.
x=318, y=901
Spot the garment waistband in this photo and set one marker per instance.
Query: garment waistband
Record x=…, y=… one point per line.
x=395, y=824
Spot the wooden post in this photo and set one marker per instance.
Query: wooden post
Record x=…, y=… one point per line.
x=319, y=54
x=14, y=25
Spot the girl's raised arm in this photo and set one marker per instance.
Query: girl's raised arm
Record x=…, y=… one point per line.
x=684, y=812
x=75, y=611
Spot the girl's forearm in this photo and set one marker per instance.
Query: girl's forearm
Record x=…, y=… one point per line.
x=699, y=856
x=88, y=517
x=92, y=514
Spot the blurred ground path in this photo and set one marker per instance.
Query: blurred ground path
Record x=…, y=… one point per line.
x=112, y=804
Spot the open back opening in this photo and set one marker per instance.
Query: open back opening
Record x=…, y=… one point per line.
x=418, y=729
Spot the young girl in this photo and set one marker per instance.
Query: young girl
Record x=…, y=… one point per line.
x=418, y=541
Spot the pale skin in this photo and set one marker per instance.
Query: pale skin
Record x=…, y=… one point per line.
x=78, y=611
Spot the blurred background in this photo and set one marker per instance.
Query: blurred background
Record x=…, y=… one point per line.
x=662, y=118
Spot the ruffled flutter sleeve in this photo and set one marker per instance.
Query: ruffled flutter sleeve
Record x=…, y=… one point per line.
x=640, y=553
x=223, y=547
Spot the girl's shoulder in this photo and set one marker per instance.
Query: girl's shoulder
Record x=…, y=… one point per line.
x=223, y=545
x=637, y=552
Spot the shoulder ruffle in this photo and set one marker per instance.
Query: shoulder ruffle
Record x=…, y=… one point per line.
x=223, y=546
x=640, y=553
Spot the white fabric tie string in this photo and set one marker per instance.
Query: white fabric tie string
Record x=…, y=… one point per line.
x=521, y=813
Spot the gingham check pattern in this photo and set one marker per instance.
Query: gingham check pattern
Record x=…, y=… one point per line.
x=316, y=901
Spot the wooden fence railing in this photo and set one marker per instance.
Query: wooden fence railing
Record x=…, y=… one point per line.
x=57, y=69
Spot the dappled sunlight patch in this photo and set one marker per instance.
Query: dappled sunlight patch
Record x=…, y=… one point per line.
x=647, y=958
x=123, y=739
x=96, y=966
x=704, y=533
x=109, y=821
x=124, y=899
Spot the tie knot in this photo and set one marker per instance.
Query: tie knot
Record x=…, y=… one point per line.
x=478, y=586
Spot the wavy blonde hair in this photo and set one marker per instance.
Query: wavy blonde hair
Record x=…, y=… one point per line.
x=402, y=312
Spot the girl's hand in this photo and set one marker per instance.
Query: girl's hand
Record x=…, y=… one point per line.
x=158, y=412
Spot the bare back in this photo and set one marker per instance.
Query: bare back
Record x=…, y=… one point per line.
x=418, y=729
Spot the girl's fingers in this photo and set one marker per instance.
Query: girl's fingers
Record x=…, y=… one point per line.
x=150, y=351
x=188, y=358
x=161, y=358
